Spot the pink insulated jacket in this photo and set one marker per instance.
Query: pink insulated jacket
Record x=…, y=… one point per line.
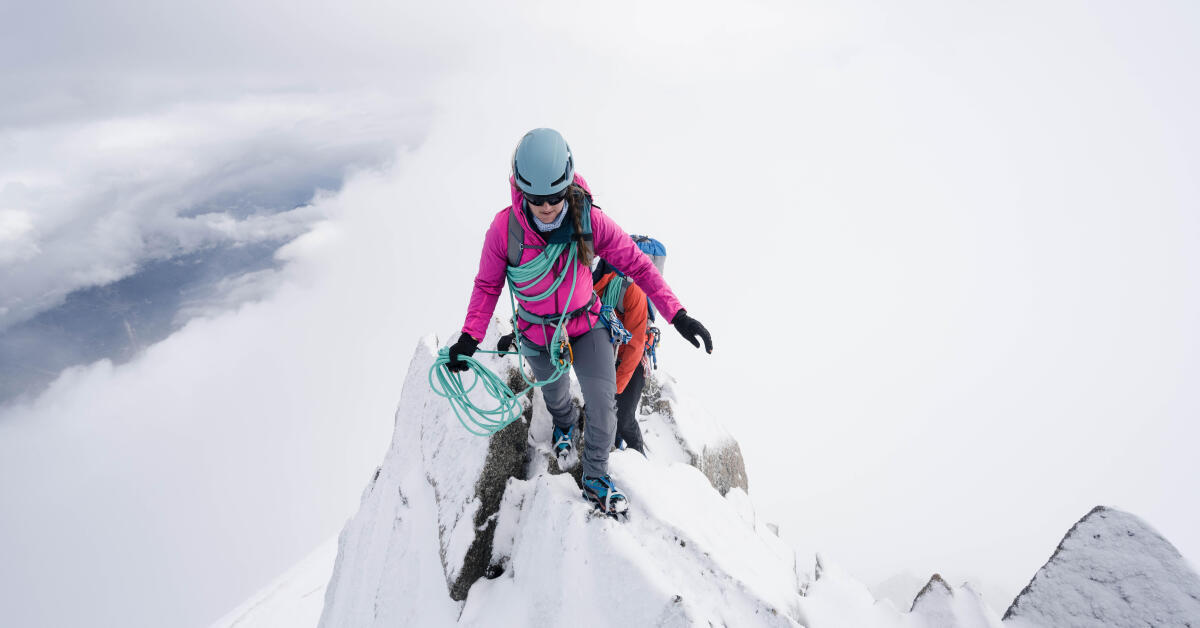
x=610, y=242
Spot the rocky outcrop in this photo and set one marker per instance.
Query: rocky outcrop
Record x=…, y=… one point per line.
x=939, y=605
x=505, y=459
x=935, y=588
x=702, y=441
x=1111, y=569
x=468, y=473
x=723, y=466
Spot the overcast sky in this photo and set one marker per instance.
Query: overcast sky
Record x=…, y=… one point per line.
x=948, y=256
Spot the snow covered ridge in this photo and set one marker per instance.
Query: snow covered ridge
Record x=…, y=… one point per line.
x=458, y=530
x=455, y=529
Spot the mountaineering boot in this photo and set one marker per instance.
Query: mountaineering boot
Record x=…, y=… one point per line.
x=564, y=447
x=605, y=496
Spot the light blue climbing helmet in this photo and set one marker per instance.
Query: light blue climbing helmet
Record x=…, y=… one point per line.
x=542, y=164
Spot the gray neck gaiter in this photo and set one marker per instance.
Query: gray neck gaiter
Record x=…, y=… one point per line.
x=544, y=227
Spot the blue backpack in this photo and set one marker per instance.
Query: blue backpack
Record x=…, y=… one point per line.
x=614, y=296
x=654, y=249
x=657, y=254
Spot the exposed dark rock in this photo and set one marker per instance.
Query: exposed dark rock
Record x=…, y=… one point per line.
x=505, y=459
x=652, y=401
x=936, y=585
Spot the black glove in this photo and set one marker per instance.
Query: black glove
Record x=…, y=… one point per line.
x=690, y=328
x=465, y=347
x=505, y=342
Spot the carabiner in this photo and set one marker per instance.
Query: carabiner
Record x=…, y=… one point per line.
x=564, y=348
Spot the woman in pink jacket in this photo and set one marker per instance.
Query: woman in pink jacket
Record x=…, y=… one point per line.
x=553, y=205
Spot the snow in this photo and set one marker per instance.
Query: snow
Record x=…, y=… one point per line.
x=294, y=599
x=699, y=431
x=565, y=561
x=1111, y=569
x=939, y=605
x=685, y=552
x=837, y=600
x=688, y=555
x=900, y=589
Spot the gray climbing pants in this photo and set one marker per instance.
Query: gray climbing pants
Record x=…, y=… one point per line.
x=596, y=369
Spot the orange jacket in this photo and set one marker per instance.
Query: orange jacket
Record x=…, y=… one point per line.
x=634, y=319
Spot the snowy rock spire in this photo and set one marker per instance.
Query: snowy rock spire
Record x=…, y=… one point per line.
x=1111, y=569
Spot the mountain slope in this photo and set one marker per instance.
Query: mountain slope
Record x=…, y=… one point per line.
x=458, y=530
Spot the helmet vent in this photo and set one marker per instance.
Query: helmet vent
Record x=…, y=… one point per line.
x=566, y=171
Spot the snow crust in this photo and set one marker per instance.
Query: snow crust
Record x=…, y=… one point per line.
x=1111, y=569
x=686, y=557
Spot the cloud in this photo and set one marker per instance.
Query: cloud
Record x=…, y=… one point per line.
x=102, y=198
x=15, y=245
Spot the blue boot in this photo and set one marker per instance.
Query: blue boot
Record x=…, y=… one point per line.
x=605, y=496
x=564, y=447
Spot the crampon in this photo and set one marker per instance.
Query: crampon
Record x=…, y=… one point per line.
x=605, y=497
x=564, y=448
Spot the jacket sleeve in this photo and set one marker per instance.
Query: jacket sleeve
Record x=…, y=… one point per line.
x=616, y=247
x=489, y=280
x=630, y=355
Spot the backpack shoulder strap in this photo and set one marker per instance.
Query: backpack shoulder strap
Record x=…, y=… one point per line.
x=614, y=292
x=516, y=238
x=586, y=223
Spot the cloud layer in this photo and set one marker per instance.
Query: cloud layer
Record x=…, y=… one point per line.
x=86, y=204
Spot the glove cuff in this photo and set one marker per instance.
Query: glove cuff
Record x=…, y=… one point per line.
x=679, y=316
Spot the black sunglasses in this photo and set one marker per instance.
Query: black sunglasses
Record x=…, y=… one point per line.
x=542, y=199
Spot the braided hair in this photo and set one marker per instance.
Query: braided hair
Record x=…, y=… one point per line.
x=577, y=197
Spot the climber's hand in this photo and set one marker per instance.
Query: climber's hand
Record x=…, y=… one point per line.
x=465, y=347
x=692, y=330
